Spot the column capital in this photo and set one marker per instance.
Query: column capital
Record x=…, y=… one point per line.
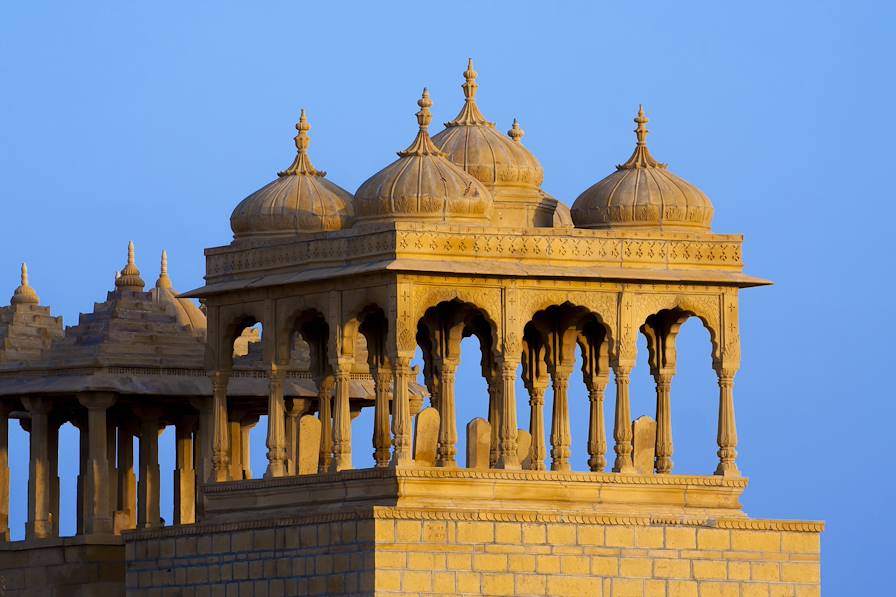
x=37, y=404
x=97, y=400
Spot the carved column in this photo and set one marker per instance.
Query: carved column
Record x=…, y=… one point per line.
x=83, y=449
x=5, y=409
x=382, y=378
x=291, y=427
x=494, y=418
x=148, y=515
x=325, y=401
x=127, y=481
x=401, y=415
x=99, y=511
x=276, y=440
x=560, y=435
x=184, y=474
x=446, y=455
x=111, y=443
x=220, y=441
x=342, y=421
x=53, y=452
x=727, y=434
x=538, y=452
x=597, y=434
x=39, y=525
x=508, y=458
x=663, y=380
x=622, y=429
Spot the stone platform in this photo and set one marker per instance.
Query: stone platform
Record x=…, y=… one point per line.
x=421, y=531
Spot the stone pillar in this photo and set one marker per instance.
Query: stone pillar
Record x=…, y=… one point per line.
x=99, y=512
x=508, y=456
x=342, y=422
x=111, y=444
x=538, y=452
x=276, y=440
x=83, y=450
x=727, y=433
x=127, y=481
x=324, y=400
x=560, y=434
x=53, y=454
x=148, y=515
x=494, y=417
x=5, y=409
x=382, y=378
x=243, y=458
x=220, y=441
x=622, y=426
x=401, y=413
x=39, y=524
x=663, y=380
x=597, y=434
x=184, y=474
x=291, y=431
x=447, y=447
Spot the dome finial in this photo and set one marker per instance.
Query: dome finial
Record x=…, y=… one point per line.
x=24, y=294
x=130, y=276
x=164, y=281
x=516, y=133
x=470, y=113
x=423, y=144
x=302, y=164
x=641, y=157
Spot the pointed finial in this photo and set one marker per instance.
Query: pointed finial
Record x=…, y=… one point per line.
x=641, y=157
x=302, y=164
x=24, y=294
x=130, y=276
x=515, y=132
x=422, y=144
x=164, y=281
x=470, y=113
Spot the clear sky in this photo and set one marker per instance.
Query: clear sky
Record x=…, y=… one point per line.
x=151, y=121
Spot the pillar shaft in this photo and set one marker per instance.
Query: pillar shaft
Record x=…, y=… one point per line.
x=446, y=454
x=494, y=418
x=184, y=474
x=663, y=422
x=325, y=397
x=342, y=420
x=401, y=413
x=597, y=434
x=291, y=430
x=39, y=524
x=727, y=433
x=383, y=383
x=4, y=472
x=276, y=440
x=538, y=452
x=560, y=434
x=53, y=475
x=508, y=456
x=622, y=425
x=127, y=481
x=99, y=511
x=148, y=515
x=220, y=441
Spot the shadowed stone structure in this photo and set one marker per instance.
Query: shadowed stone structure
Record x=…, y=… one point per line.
x=321, y=302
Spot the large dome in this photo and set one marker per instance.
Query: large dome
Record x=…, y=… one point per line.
x=300, y=200
x=642, y=193
x=473, y=143
x=422, y=185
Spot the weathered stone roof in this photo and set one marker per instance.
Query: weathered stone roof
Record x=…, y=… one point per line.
x=26, y=328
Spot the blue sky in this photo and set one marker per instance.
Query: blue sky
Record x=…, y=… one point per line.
x=151, y=121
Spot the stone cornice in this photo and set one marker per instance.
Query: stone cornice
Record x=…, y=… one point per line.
x=470, y=249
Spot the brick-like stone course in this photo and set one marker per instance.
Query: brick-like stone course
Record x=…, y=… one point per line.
x=388, y=552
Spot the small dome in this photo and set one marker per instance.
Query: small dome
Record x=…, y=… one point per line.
x=471, y=142
x=24, y=294
x=642, y=193
x=184, y=310
x=300, y=200
x=422, y=185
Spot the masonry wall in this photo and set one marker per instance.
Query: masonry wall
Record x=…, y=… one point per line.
x=390, y=552
x=69, y=567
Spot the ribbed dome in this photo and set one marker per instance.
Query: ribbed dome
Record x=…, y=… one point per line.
x=642, y=193
x=300, y=200
x=185, y=311
x=471, y=142
x=422, y=185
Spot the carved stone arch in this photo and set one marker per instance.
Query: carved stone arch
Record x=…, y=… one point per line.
x=603, y=305
x=566, y=323
x=486, y=300
x=372, y=323
x=706, y=308
x=232, y=320
x=355, y=306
